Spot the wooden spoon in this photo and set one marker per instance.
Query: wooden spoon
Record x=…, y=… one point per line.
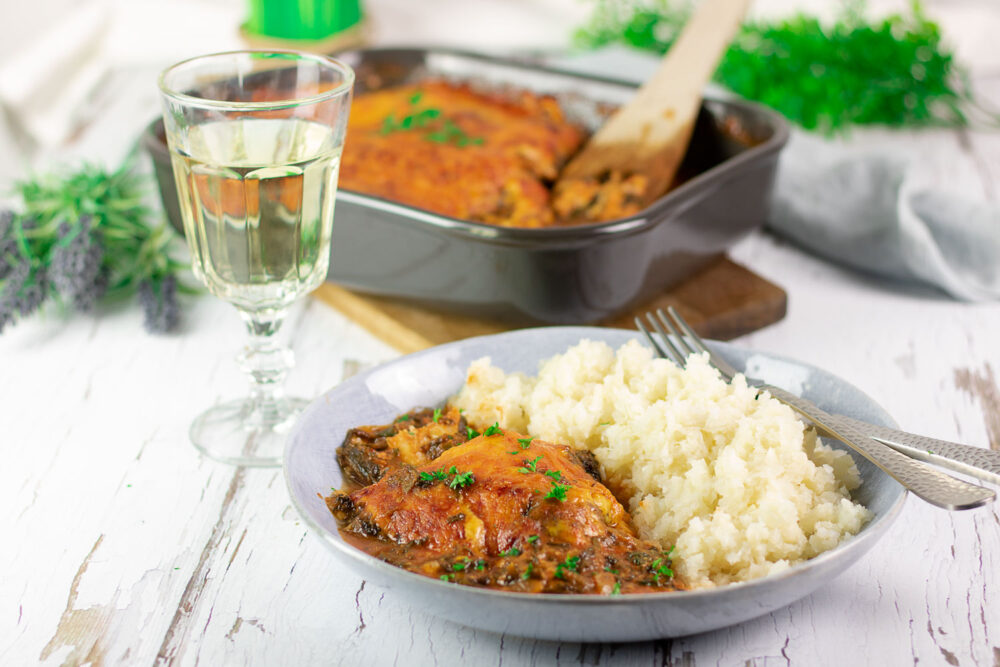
x=649, y=135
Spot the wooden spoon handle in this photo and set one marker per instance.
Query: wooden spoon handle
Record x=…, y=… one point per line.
x=650, y=134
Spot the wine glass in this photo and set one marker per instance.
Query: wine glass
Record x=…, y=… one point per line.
x=255, y=138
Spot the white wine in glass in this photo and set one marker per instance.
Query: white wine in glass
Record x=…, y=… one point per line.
x=255, y=139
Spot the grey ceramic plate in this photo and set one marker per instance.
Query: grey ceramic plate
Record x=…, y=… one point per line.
x=428, y=378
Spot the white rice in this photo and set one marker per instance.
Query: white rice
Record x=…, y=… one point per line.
x=737, y=484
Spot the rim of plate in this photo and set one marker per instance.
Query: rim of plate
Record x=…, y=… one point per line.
x=870, y=531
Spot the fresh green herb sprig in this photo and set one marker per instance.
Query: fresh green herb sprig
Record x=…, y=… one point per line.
x=524, y=443
x=437, y=415
x=83, y=236
x=894, y=71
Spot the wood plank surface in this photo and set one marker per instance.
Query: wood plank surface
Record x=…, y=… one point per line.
x=723, y=301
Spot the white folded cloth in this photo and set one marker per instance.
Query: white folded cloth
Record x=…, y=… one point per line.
x=43, y=87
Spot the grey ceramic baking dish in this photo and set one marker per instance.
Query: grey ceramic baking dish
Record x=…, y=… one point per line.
x=563, y=275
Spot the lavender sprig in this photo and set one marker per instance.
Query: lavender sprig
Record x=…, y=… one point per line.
x=159, y=304
x=76, y=265
x=82, y=236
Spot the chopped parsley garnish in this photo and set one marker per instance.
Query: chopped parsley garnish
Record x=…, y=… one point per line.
x=453, y=134
x=480, y=564
x=554, y=474
x=443, y=131
x=437, y=414
x=493, y=430
x=437, y=475
x=659, y=568
x=513, y=551
x=403, y=418
x=617, y=590
x=557, y=492
x=529, y=466
x=532, y=539
x=609, y=569
x=461, y=480
x=471, y=432
x=458, y=567
x=527, y=572
x=572, y=563
x=605, y=424
x=514, y=453
x=524, y=442
x=447, y=577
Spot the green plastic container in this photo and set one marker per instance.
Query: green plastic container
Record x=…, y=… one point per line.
x=302, y=19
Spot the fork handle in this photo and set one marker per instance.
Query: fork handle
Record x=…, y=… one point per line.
x=978, y=462
x=925, y=482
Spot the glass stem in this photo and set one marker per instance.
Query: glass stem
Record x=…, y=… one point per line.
x=267, y=362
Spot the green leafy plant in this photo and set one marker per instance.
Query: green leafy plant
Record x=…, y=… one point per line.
x=894, y=71
x=83, y=236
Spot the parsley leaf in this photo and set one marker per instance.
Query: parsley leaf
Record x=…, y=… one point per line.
x=659, y=568
x=471, y=432
x=438, y=475
x=437, y=415
x=554, y=474
x=572, y=564
x=617, y=590
x=557, y=492
x=527, y=572
x=513, y=551
x=530, y=465
x=461, y=480
x=532, y=539
x=524, y=442
x=493, y=430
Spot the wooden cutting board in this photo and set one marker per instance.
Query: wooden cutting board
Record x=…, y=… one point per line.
x=723, y=301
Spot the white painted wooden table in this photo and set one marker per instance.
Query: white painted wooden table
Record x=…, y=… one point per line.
x=120, y=545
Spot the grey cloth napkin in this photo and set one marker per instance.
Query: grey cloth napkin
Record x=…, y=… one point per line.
x=860, y=210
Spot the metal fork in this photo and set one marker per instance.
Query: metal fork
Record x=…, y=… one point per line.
x=880, y=445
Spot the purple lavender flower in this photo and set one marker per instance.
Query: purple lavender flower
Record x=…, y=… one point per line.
x=159, y=304
x=8, y=246
x=76, y=264
x=24, y=291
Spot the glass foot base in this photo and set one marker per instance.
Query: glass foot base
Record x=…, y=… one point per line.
x=242, y=433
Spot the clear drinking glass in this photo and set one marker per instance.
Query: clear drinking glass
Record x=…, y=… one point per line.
x=255, y=138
